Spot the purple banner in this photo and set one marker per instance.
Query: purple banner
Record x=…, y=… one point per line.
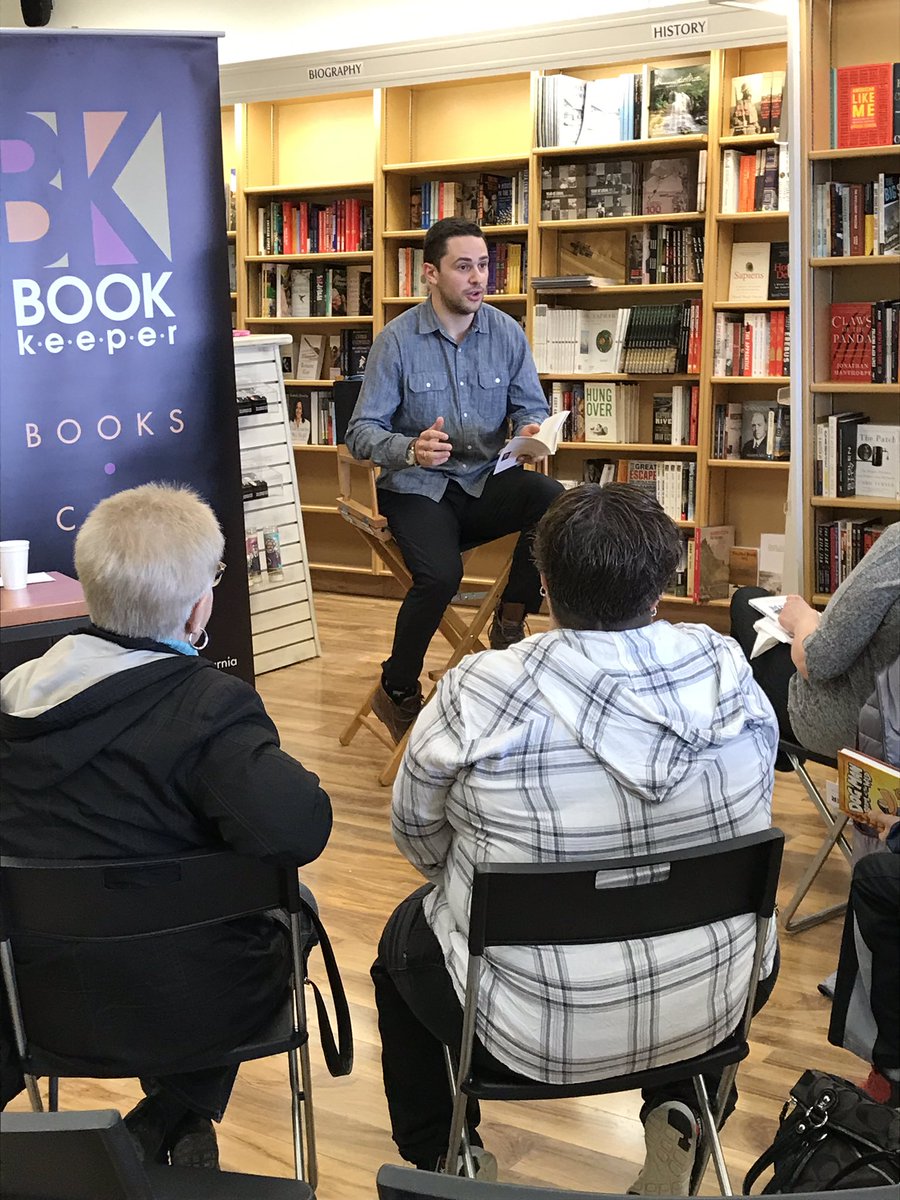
x=116, y=363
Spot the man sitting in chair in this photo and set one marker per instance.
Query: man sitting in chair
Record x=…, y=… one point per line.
x=443, y=382
x=120, y=742
x=610, y=736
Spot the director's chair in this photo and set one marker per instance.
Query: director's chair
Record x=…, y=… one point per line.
x=359, y=506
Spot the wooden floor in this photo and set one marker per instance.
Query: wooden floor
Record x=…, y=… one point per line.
x=587, y=1144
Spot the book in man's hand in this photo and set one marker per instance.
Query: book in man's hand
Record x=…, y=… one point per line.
x=539, y=445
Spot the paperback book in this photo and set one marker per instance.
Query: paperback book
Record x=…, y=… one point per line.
x=867, y=785
x=678, y=101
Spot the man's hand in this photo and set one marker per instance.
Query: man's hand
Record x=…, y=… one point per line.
x=529, y=431
x=882, y=822
x=432, y=447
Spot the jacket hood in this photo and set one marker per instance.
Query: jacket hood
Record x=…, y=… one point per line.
x=60, y=710
x=646, y=703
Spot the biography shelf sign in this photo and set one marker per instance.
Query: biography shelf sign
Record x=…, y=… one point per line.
x=116, y=362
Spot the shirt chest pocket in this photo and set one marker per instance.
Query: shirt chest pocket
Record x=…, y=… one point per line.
x=427, y=396
x=493, y=392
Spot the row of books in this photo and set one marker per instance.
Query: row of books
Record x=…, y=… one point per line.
x=856, y=218
x=756, y=103
x=752, y=345
x=719, y=567
x=675, y=415
x=327, y=356
x=759, y=271
x=865, y=341
x=652, y=103
x=840, y=546
x=302, y=227
x=312, y=417
x=672, y=481
x=590, y=189
x=286, y=291
x=666, y=254
x=753, y=430
x=756, y=180
x=865, y=105
x=651, y=339
x=856, y=458
x=600, y=412
x=483, y=199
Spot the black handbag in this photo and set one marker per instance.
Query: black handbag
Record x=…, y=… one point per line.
x=831, y=1136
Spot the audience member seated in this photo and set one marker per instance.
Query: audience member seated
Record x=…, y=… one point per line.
x=609, y=736
x=120, y=742
x=818, y=684
x=866, y=1013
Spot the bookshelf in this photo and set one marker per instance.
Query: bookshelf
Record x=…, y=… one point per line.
x=230, y=116
x=839, y=33
x=384, y=145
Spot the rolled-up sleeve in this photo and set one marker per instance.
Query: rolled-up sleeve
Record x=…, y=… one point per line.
x=369, y=434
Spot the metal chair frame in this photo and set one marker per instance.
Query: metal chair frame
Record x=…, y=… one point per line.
x=94, y=899
x=563, y=904
x=463, y=637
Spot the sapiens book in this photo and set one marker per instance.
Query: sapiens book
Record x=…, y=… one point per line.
x=864, y=100
x=678, y=101
x=851, y=342
x=749, y=276
x=867, y=785
x=538, y=445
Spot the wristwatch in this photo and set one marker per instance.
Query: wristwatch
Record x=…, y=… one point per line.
x=411, y=453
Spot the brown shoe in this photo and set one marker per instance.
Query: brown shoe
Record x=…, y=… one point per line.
x=396, y=717
x=504, y=634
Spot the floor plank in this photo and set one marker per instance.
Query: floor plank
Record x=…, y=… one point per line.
x=588, y=1144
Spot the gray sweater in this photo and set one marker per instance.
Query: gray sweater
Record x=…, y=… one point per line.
x=858, y=635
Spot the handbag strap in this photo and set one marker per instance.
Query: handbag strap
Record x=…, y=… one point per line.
x=338, y=1057
x=867, y=1160
x=784, y=1140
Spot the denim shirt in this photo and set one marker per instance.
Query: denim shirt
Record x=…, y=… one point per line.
x=416, y=373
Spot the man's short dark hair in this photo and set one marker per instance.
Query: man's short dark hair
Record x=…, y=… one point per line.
x=607, y=554
x=437, y=236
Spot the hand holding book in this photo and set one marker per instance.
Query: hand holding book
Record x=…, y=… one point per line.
x=533, y=443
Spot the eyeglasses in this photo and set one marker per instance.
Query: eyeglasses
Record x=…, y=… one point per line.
x=220, y=571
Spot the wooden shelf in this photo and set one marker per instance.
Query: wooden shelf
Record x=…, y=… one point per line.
x=315, y=383
x=628, y=447
x=751, y=216
x=325, y=322
x=855, y=502
x=281, y=189
x=513, y=162
x=690, y=141
x=346, y=256
x=851, y=388
x=492, y=298
x=315, y=449
x=339, y=568
x=751, y=464
x=319, y=508
x=735, y=141
x=409, y=235
x=633, y=378
x=628, y=289
x=749, y=305
x=676, y=599
x=855, y=152
x=625, y=222
x=858, y=260
x=781, y=380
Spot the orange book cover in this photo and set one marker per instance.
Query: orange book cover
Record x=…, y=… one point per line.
x=864, y=105
x=867, y=785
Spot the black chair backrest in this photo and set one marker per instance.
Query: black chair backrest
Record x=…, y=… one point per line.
x=405, y=1183
x=120, y=899
x=579, y=903
x=69, y=1156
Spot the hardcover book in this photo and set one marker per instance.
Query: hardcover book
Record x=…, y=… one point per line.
x=747, y=95
x=712, y=557
x=779, y=267
x=678, y=101
x=754, y=433
x=851, y=342
x=878, y=461
x=749, y=277
x=670, y=186
x=865, y=105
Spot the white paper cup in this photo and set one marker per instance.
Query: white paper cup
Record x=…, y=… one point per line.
x=14, y=565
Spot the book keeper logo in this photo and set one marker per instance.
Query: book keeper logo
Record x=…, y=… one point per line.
x=84, y=192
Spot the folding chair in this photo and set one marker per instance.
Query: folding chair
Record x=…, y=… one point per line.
x=126, y=899
x=361, y=510
x=835, y=825
x=568, y=904
x=91, y=1156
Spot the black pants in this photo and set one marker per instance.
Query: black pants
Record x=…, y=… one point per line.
x=873, y=912
x=773, y=670
x=431, y=535
x=418, y=1013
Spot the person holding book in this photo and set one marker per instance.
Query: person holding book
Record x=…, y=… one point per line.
x=819, y=683
x=120, y=742
x=443, y=383
x=611, y=735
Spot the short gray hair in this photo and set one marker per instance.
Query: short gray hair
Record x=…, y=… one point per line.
x=145, y=557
